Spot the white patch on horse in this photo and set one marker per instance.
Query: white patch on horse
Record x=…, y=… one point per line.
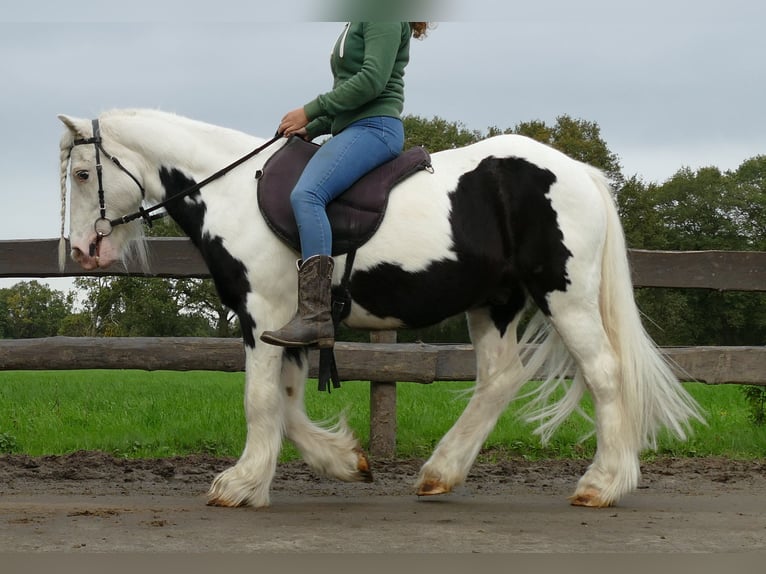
x=415, y=230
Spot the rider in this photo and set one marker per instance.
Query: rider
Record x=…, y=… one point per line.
x=363, y=114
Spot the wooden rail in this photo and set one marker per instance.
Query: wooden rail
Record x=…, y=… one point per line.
x=177, y=257
x=383, y=361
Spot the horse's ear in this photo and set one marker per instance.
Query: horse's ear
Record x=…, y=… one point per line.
x=76, y=125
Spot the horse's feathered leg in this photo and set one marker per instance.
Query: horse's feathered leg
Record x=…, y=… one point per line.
x=499, y=376
x=248, y=482
x=334, y=451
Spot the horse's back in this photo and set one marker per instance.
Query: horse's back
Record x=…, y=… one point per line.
x=503, y=145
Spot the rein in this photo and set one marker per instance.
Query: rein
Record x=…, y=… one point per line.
x=104, y=226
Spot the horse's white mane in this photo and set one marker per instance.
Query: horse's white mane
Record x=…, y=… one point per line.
x=155, y=115
x=179, y=121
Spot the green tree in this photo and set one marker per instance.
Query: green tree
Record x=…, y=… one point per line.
x=151, y=306
x=31, y=309
x=138, y=306
x=748, y=187
x=77, y=324
x=198, y=297
x=578, y=138
x=700, y=210
x=636, y=202
x=437, y=134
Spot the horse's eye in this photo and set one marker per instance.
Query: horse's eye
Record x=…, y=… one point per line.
x=82, y=175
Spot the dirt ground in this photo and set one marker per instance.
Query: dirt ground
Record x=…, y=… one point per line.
x=91, y=503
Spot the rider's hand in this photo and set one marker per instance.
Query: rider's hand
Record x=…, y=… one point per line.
x=294, y=123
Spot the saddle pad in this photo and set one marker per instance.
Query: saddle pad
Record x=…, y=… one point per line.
x=354, y=216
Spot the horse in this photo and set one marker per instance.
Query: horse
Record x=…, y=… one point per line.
x=499, y=229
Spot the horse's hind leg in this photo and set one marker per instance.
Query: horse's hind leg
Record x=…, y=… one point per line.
x=615, y=468
x=333, y=452
x=497, y=381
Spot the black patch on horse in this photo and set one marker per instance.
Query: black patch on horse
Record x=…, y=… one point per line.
x=296, y=355
x=515, y=197
x=507, y=243
x=229, y=273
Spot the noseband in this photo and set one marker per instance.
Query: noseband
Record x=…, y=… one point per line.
x=104, y=226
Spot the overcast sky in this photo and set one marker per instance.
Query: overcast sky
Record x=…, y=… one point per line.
x=670, y=83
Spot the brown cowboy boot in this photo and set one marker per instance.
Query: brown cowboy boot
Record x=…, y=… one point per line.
x=312, y=324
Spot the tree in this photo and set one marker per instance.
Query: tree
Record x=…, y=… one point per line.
x=138, y=307
x=748, y=187
x=636, y=203
x=150, y=306
x=30, y=309
x=700, y=210
x=198, y=297
x=437, y=134
x=579, y=139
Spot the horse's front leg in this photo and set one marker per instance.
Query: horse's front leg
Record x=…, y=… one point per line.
x=248, y=482
x=334, y=451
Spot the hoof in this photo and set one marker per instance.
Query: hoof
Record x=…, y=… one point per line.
x=363, y=467
x=231, y=489
x=590, y=498
x=432, y=488
x=222, y=502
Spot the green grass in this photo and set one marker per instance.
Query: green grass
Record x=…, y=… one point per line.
x=143, y=414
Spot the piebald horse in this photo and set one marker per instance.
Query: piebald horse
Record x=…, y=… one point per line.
x=492, y=228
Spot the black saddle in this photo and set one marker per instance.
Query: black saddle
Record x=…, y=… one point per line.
x=354, y=216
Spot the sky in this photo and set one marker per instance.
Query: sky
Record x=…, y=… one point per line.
x=671, y=84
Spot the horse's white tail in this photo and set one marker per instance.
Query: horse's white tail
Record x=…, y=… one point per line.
x=651, y=395
x=650, y=391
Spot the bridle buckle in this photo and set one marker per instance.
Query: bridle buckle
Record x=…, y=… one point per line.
x=103, y=227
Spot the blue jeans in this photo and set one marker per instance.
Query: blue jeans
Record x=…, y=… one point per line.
x=337, y=164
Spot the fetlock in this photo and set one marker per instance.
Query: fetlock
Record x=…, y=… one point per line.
x=312, y=324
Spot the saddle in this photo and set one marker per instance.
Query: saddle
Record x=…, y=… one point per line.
x=354, y=216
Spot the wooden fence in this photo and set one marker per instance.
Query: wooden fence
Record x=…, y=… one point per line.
x=382, y=361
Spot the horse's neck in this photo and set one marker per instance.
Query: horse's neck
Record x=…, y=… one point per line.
x=172, y=142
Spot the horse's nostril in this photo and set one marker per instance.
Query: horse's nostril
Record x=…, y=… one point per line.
x=76, y=253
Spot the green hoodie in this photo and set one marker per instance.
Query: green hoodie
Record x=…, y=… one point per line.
x=367, y=63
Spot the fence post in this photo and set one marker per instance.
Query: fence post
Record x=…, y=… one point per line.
x=383, y=407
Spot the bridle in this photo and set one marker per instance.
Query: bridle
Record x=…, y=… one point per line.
x=104, y=226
